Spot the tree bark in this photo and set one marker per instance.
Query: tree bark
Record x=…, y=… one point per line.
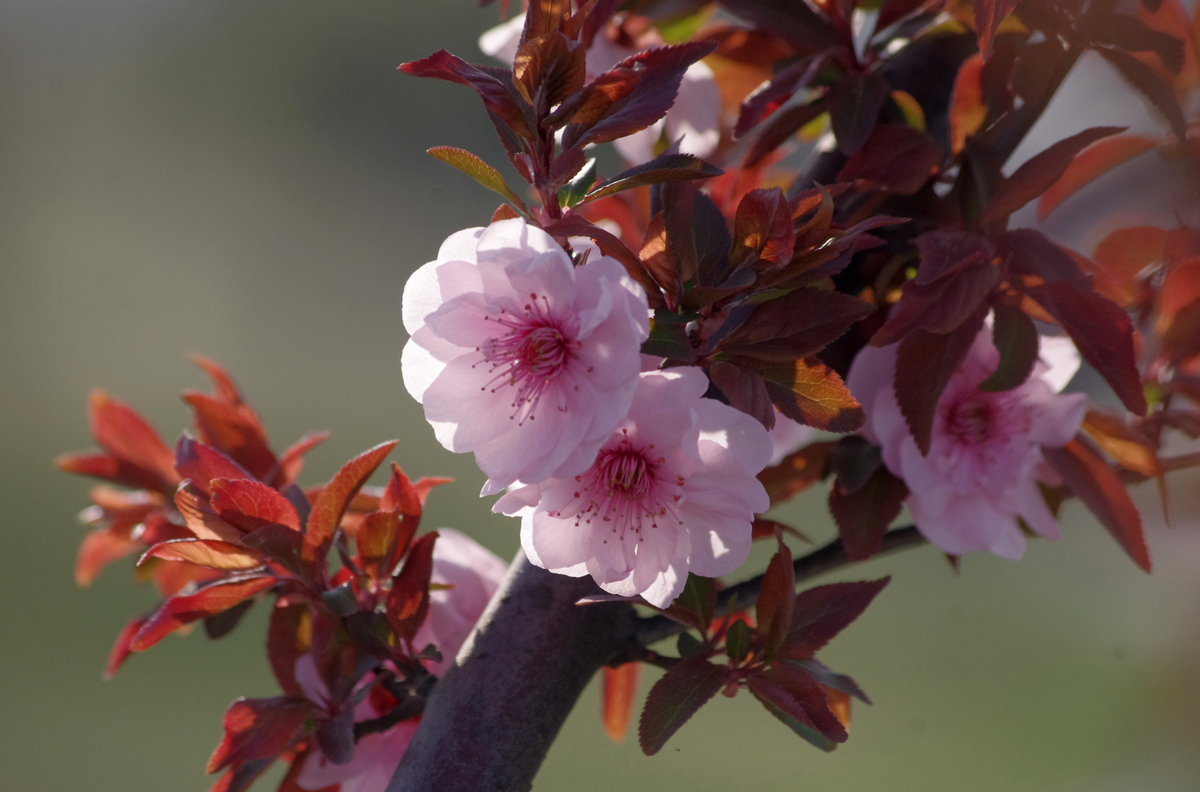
x=492, y=718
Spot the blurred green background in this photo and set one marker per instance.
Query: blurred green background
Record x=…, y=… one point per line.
x=245, y=179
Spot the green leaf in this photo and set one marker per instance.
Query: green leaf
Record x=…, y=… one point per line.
x=573, y=191
x=478, y=170
x=669, y=341
x=737, y=641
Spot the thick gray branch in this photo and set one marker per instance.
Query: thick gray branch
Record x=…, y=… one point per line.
x=492, y=717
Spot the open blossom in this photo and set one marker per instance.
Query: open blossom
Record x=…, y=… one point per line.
x=787, y=436
x=672, y=490
x=695, y=116
x=475, y=574
x=519, y=356
x=985, y=458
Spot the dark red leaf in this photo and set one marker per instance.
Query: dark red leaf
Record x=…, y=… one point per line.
x=1128, y=33
x=632, y=95
x=745, y=391
x=798, y=324
x=1041, y=171
x=249, y=505
x=123, y=433
x=496, y=97
x=548, y=69
x=617, y=697
x=281, y=544
x=202, y=463
x=1089, y=165
x=988, y=16
x=823, y=612
x=796, y=23
x=1029, y=252
x=665, y=168
x=121, y=649
x=259, y=729
x=776, y=601
x=773, y=94
x=657, y=258
x=854, y=105
x=1103, y=492
x=182, y=609
x=1150, y=85
x=1016, y=337
x=335, y=497
x=799, y=696
x=696, y=604
x=863, y=515
x=941, y=306
x=779, y=128
x=946, y=251
x=335, y=735
x=239, y=777
x=199, y=517
x=675, y=698
x=924, y=364
x=408, y=601
x=544, y=16
x=286, y=642
x=110, y=468
x=795, y=473
x=894, y=157
x=1102, y=332
x=763, y=234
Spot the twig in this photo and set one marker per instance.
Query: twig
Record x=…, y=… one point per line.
x=825, y=559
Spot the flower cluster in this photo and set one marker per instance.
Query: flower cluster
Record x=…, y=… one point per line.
x=534, y=364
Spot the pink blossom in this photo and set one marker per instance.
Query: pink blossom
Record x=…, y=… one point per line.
x=787, y=436
x=695, y=116
x=672, y=490
x=985, y=458
x=519, y=356
x=475, y=573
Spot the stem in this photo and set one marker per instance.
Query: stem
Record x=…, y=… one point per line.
x=491, y=719
x=824, y=559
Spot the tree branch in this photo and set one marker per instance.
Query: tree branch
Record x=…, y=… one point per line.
x=825, y=559
x=491, y=719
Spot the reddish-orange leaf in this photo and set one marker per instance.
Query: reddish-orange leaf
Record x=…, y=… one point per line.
x=291, y=462
x=1103, y=492
x=99, y=549
x=1092, y=163
x=289, y=634
x=810, y=392
x=1172, y=19
x=202, y=463
x=408, y=601
x=968, y=111
x=1181, y=287
x=182, y=609
x=839, y=705
x=504, y=212
x=988, y=16
x=126, y=435
x=424, y=484
x=110, y=468
x=1124, y=253
x=400, y=495
x=374, y=538
x=204, y=552
x=223, y=384
x=258, y=729
x=200, y=518
x=795, y=473
x=233, y=428
x=336, y=496
x=620, y=690
x=121, y=649
x=250, y=505
x=1129, y=447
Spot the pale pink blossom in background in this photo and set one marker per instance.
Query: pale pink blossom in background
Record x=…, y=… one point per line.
x=519, y=356
x=787, y=436
x=475, y=572
x=672, y=490
x=985, y=458
x=695, y=116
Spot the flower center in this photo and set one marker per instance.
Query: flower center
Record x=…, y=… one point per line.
x=529, y=356
x=627, y=486
x=971, y=420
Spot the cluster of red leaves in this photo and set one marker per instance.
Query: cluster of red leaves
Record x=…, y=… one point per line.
x=223, y=523
x=772, y=655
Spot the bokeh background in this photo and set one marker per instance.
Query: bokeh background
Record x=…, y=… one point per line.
x=246, y=179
